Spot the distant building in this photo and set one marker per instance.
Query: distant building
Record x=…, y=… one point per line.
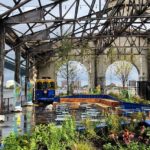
x=132, y=83
x=10, y=84
x=76, y=84
x=64, y=84
x=111, y=85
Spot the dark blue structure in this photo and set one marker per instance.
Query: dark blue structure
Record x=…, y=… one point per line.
x=45, y=96
x=45, y=91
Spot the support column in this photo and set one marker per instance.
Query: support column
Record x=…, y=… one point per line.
x=27, y=74
x=18, y=98
x=95, y=70
x=148, y=61
x=2, y=47
x=17, y=65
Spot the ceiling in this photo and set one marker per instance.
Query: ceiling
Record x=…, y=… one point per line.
x=38, y=27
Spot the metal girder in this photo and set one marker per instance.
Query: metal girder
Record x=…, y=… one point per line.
x=100, y=15
x=112, y=13
x=24, y=16
x=86, y=23
x=30, y=16
x=27, y=73
x=38, y=36
x=40, y=48
x=120, y=26
x=14, y=8
x=75, y=16
x=130, y=42
x=2, y=47
x=17, y=64
x=110, y=23
x=11, y=66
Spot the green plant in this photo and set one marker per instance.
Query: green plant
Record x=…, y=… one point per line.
x=116, y=95
x=48, y=136
x=69, y=131
x=109, y=146
x=139, y=116
x=83, y=146
x=89, y=133
x=137, y=146
x=11, y=142
x=113, y=123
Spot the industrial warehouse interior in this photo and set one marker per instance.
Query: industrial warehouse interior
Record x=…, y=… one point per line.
x=74, y=74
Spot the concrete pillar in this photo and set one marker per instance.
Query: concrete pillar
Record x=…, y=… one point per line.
x=91, y=74
x=2, y=47
x=27, y=74
x=148, y=61
x=17, y=64
x=95, y=70
x=33, y=73
x=143, y=68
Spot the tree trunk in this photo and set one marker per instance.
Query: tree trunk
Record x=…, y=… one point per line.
x=123, y=84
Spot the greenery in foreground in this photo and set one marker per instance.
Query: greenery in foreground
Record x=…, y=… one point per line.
x=117, y=137
x=125, y=96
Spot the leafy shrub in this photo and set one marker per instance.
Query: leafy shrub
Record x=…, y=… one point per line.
x=113, y=123
x=12, y=142
x=83, y=146
x=48, y=136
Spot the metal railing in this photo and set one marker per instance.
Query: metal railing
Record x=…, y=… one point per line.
x=9, y=104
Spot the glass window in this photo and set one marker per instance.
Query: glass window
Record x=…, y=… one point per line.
x=39, y=85
x=45, y=85
x=52, y=85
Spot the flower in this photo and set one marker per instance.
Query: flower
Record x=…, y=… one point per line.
x=127, y=136
x=113, y=136
x=142, y=129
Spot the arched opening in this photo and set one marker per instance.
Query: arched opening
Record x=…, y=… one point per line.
x=121, y=75
x=72, y=78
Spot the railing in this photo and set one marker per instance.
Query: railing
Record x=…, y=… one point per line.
x=9, y=104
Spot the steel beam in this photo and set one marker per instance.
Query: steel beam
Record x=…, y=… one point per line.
x=40, y=48
x=14, y=8
x=27, y=74
x=2, y=47
x=37, y=36
x=17, y=64
x=121, y=27
x=31, y=16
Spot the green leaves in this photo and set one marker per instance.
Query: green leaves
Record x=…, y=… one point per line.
x=65, y=48
x=113, y=123
x=48, y=136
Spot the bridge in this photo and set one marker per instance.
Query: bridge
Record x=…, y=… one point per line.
x=91, y=32
x=11, y=66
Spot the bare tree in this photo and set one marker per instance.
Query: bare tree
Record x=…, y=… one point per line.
x=122, y=70
x=69, y=72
